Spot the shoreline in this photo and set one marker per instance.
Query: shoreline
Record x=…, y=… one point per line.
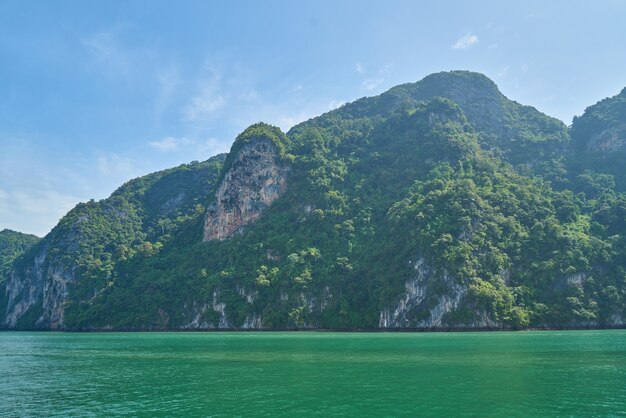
x=320, y=330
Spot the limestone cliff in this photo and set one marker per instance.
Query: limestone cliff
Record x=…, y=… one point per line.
x=253, y=181
x=40, y=289
x=420, y=306
x=429, y=299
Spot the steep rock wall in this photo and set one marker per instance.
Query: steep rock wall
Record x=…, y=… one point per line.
x=42, y=287
x=254, y=180
x=420, y=306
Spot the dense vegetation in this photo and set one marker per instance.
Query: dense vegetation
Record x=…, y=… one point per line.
x=445, y=175
x=12, y=245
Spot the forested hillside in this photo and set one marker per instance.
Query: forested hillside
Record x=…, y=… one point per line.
x=438, y=204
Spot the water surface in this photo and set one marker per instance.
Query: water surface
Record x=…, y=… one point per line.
x=557, y=373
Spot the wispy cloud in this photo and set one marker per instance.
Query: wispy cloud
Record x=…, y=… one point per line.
x=249, y=96
x=202, y=106
x=493, y=46
x=359, y=68
x=370, y=84
x=494, y=27
x=211, y=146
x=209, y=99
x=287, y=121
x=109, y=56
x=373, y=82
x=169, y=143
x=465, y=41
x=205, y=147
x=112, y=164
x=334, y=104
x=168, y=79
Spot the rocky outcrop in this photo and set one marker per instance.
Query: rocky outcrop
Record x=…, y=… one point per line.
x=252, y=322
x=220, y=308
x=41, y=288
x=254, y=180
x=609, y=140
x=420, y=306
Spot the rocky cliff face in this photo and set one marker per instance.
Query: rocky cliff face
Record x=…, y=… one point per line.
x=429, y=297
x=254, y=180
x=416, y=308
x=609, y=140
x=40, y=291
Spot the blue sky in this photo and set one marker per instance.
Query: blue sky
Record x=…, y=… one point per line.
x=93, y=94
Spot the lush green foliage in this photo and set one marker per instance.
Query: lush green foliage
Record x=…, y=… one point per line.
x=445, y=173
x=12, y=245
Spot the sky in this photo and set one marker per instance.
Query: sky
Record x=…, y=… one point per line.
x=93, y=94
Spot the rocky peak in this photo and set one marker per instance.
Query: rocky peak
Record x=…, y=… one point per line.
x=253, y=178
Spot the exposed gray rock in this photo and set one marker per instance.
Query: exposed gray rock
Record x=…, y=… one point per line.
x=220, y=308
x=197, y=314
x=43, y=282
x=252, y=322
x=254, y=180
x=250, y=297
x=414, y=307
x=612, y=139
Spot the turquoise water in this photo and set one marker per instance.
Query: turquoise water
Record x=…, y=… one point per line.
x=559, y=373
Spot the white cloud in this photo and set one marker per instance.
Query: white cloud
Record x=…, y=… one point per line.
x=211, y=146
x=114, y=165
x=334, y=104
x=372, y=83
x=359, y=68
x=168, y=80
x=386, y=69
x=465, y=41
x=203, y=106
x=249, y=96
x=503, y=73
x=493, y=46
x=190, y=146
x=108, y=54
x=208, y=101
x=170, y=143
x=287, y=121
x=495, y=27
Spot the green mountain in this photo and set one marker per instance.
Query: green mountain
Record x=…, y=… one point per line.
x=438, y=204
